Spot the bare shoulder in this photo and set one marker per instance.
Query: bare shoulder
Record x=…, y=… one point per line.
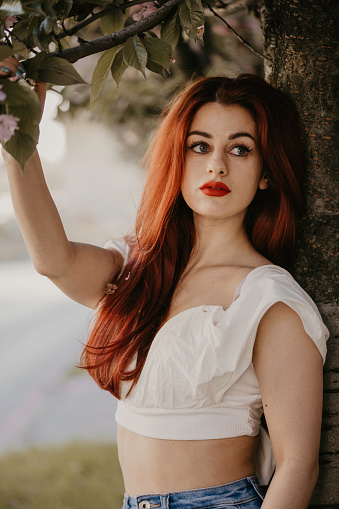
x=281, y=333
x=243, y=270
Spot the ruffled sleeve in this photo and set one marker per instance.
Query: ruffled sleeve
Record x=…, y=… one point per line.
x=264, y=287
x=120, y=245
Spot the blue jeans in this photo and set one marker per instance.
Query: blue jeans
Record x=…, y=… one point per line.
x=243, y=494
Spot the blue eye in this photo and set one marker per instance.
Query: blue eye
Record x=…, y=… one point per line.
x=241, y=150
x=199, y=147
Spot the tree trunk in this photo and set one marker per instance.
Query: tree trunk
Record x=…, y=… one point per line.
x=299, y=37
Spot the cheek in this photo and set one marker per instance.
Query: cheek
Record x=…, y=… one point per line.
x=185, y=189
x=187, y=186
x=185, y=179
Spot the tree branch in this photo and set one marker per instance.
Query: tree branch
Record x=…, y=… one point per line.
x=241, y=39
x=23, y=43
x=112, y=40
x=96, y=16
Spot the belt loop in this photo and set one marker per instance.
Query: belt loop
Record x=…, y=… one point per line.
x=164, y=501
x=256, y=486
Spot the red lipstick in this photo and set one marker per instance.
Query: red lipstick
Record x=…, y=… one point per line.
x=215, y=189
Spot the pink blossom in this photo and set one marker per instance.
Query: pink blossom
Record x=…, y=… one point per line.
x=10, y=20
x=8, y=124
x=2, y=94
x=200, y=33
x=147, y=9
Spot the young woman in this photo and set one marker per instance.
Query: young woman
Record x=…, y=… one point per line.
x=199, y=326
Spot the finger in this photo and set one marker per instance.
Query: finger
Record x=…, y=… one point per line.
x=11, y=67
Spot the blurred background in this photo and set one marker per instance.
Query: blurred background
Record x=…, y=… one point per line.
x=54, y=420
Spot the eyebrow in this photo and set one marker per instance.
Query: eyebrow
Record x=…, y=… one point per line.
x=231, y=136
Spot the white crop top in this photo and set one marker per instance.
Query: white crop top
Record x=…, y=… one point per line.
x=198, y=381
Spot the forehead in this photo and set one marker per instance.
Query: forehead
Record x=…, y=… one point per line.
x=217, y=118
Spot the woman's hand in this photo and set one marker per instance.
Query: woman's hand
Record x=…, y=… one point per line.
x=13, y=69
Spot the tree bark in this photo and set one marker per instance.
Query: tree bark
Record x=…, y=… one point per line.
x=300, y=39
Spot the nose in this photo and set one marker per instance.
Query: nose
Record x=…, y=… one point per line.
x=217, y=165
x=217, y=169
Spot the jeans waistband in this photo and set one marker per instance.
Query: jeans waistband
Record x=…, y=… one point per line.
x=235, y=492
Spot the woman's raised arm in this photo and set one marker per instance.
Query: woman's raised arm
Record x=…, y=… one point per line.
x=81, y=271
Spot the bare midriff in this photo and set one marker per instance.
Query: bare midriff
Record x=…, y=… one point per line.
x=151, y=465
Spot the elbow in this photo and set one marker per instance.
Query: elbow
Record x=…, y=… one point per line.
x=40, y=269
x=53, y=265
x=46, y=270
x=43, y=272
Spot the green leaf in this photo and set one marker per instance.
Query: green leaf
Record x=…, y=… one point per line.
x=158, y=51
x=170, y=30
x=99, y=2
x=48, y=24
x=101, y=71
x=6, y=51
x=191, y=14
x=24, y=29
x=195, y=5
x=18, y=47
x=22, y=102
x=154, y=67
x=135, y=54
x=47, y=7
x=55, y=70
x=41, y=39
x=21, y=146
x=18, y=93
x=112, y=22
x=119, y=66
x=63, y=8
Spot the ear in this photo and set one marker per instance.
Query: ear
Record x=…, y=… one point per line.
x=263, y=184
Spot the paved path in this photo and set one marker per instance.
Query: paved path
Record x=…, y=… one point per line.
x=43, y=398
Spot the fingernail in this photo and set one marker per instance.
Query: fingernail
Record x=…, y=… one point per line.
x=18, y=74
x=5, y=69
x=21, y=68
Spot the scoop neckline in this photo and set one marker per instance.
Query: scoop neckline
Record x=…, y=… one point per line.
x=219, y=306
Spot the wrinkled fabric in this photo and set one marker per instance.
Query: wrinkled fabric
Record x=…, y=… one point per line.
x=198, y=381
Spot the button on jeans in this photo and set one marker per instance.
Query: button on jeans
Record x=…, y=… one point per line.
x=243, y=494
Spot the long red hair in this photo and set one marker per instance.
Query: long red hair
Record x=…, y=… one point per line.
x=127, y=321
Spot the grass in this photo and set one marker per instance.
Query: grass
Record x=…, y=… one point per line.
x=74, y=476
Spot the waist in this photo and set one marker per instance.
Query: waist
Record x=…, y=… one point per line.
x=234, y=493
x=212, y=422
x=152, y=465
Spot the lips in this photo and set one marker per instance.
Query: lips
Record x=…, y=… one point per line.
x=215, y=189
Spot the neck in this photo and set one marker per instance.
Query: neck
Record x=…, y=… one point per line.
x=221, y=242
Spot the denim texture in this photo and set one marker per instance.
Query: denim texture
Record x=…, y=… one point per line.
x=243, y=494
